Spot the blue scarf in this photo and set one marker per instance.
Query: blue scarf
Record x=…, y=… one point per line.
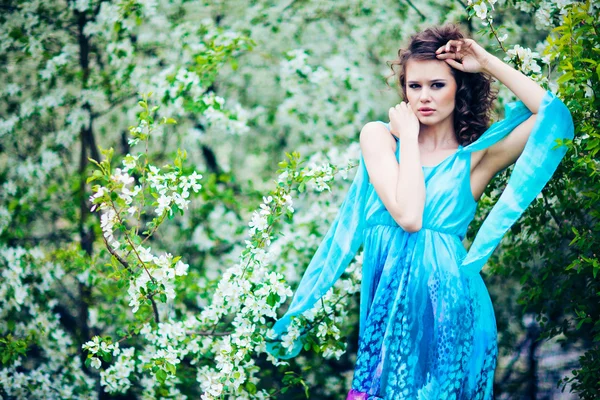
x=531, y=172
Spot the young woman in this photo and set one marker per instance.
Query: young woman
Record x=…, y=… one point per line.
x=427, y=324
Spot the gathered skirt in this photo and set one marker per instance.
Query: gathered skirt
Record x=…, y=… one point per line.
x=430, y=330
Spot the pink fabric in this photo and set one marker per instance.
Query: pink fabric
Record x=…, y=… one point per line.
x=356, y=395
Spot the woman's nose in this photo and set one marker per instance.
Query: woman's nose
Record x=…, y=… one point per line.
x=425, y=95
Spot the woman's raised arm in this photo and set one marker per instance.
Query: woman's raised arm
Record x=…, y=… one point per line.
x=468, y=56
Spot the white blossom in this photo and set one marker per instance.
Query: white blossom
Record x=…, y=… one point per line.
x=481, y=10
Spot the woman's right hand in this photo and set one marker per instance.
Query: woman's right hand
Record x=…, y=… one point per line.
x=403, y=121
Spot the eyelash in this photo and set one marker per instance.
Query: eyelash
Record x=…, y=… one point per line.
x=415, y=86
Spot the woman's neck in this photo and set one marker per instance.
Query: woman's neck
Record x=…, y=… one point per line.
x=438, y=136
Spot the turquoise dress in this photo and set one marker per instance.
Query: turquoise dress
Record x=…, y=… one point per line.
x=427, y=326
x=430, y=331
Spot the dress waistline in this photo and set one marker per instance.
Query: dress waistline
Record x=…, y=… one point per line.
x=438, y=230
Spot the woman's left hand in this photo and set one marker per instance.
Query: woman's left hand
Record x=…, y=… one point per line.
x=465, y=55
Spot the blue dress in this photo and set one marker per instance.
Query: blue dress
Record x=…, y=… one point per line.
x=430, y=331
x=427, y=326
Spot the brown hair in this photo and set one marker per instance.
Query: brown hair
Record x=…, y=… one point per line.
x=474, y=94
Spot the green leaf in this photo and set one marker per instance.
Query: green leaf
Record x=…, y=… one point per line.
x=171, y=368
x=251, y=387
x=567, y=76
x=161, y=375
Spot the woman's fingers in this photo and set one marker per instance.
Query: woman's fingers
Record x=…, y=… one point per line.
x=456, y=52
x=402, y=115
x=450, y=56
x=399, y=109
x=455, y=64
x=456, y=44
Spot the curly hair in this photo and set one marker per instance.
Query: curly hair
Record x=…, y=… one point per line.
x=474, y=94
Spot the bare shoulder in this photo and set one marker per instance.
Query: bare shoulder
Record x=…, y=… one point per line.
x=374, y=137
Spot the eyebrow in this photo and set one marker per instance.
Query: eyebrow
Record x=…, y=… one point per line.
x=431, y=81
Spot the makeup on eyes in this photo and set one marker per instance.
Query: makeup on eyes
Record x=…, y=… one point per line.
x=437, y=83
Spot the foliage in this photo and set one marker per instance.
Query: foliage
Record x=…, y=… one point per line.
x=552, y=250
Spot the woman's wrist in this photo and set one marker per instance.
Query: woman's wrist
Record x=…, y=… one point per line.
x=410, y=139
x=490, y=65
x=521, y=85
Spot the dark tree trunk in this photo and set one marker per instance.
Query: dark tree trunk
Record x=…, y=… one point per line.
x=533, y=335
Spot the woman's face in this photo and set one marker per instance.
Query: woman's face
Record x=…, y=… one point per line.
x=430, y=90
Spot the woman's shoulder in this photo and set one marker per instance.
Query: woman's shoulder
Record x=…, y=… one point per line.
x=376, y=129
x=375, y=136
x=380, y=124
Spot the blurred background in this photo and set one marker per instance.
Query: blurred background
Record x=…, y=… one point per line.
x=246, y=82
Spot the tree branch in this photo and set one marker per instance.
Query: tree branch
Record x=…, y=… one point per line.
x=423, y=17
x=206, y=333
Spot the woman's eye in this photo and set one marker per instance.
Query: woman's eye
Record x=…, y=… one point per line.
x=413, y=86
x=438, y=85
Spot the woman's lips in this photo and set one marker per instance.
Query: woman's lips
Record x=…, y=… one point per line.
x=426, y=111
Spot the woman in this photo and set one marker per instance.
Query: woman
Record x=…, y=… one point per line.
x=427, y=324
